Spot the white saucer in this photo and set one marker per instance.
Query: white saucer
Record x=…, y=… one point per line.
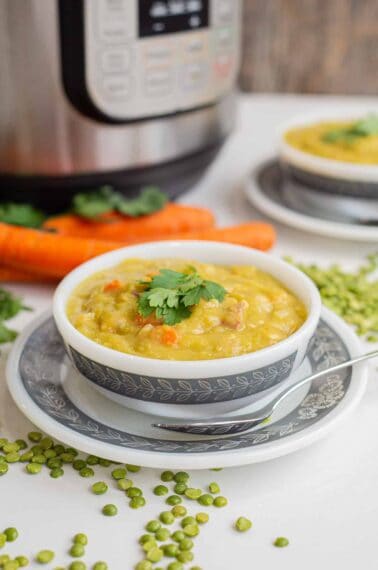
x=60, y=402
x=264, y=189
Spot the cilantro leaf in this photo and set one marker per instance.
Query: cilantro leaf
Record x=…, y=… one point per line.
x=10, y=306
x=190, y=282
x=172, y=316
x=165, y=279
x=6, y=334
x=213, y=291
x=193, y=296
x=144, y=307
x=172, y=294
x=359, y=129
x=92, y=205
x=21, y=215
x=367, y=126
x=149, y=201
x=160, y=297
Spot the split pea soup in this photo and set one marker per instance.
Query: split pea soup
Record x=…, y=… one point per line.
x=255, y=311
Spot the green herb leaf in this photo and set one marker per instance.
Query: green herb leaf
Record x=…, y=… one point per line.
x=166, y=279
x=192, y=297
x=160, y=297
x=149, y=201
x=362, y=128
x=171, y=295
x=92, y=205
x=173, y=316
x=21, y=215
x=144, y=307
x=212, y=290
x=6, y=334
x=10, y=305
x=367, y=126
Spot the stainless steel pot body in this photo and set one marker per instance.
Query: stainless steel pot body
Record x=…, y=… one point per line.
x=44, y=134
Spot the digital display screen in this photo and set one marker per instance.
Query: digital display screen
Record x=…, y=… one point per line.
x=158, y=17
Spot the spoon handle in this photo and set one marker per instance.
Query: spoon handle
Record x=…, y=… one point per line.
x=339, y=366
x=247, y=421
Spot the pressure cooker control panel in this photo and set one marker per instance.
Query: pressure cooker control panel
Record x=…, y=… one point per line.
x=151, y=58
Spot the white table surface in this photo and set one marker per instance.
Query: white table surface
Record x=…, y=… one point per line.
x=324, y=498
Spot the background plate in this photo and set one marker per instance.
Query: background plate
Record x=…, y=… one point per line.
x=263, y=189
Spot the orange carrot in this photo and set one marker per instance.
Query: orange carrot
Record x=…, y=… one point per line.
x=171, y=219
x=165, y=335
x=44, y=253
x=114, y=285
x=55, y=255
x=11, y=275
x=169, y=336
x=259, y=235
x=150, y=320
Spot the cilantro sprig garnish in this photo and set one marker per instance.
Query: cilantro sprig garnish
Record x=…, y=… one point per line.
x=171, y=295
x=359, y=129
x=92, y=205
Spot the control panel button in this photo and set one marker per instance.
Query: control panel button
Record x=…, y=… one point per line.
x=195, y=46
x=159, y=54
x=194, y=75
x=225, y=10
x=158, y=82
x=113, y=21
x=224, y=39
x=115, y=60
x=116, y=86
x=223, y=65
x=194, y=5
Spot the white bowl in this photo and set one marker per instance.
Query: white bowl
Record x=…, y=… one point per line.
x=335, y=170
x=188, y=388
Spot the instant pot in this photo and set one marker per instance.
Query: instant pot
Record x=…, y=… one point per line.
x=122, y=92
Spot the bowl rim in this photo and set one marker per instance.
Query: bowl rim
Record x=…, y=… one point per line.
x=331, y=168
x=178, y=368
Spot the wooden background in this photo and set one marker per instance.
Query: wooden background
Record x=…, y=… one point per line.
x=310, y=46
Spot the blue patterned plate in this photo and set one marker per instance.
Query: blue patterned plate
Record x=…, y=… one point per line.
x=61, y=402
x=266, y=191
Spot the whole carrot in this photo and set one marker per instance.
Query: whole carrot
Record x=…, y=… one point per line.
x=55, y=255
x=44, y=253
x=116, y=227
x=12, y=275
x=259, y=235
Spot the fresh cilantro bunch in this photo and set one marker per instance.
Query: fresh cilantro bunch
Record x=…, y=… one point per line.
x=92, y=205
x=10, y=306
x=362, y=128
x=171, y=295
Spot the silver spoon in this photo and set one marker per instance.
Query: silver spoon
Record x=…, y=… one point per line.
x=230, y=426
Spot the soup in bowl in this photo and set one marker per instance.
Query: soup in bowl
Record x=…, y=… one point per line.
x=186, y=329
